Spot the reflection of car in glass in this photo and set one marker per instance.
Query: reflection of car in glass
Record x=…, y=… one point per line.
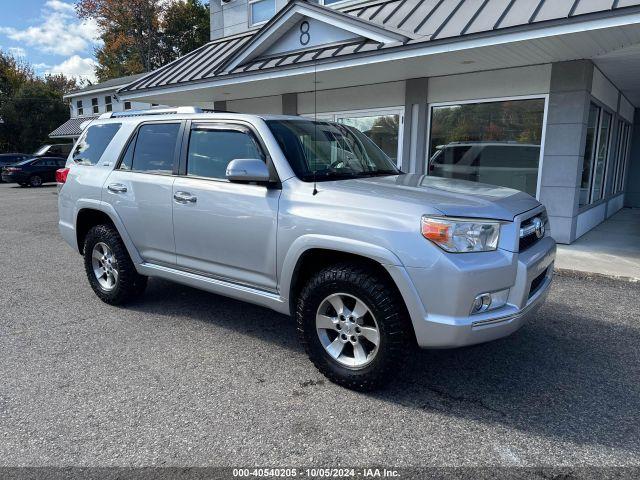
x=508, y=164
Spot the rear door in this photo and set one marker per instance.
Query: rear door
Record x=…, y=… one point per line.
x=223, y=229
x=141, y=189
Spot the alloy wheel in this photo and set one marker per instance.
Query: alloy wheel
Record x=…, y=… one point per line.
x=105, y=266
x=347, y=330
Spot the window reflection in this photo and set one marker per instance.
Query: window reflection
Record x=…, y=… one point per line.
x=491, y=142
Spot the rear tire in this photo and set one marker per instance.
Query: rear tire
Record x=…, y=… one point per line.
x=35, y=181
x=110, y=271
x=361, y=347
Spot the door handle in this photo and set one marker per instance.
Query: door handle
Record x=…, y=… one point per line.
x=184, y=197
x=117, y=188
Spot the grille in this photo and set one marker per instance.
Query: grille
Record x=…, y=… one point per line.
x=537, y=283
x=528, y=236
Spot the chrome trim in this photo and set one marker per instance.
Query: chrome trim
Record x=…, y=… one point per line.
x=531, y=304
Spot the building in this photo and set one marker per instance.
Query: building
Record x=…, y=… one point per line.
x=538, y=95
x=89, y=102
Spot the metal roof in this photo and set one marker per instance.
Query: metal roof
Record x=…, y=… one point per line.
x=70, y=128
x=421, y=20
x=114, y=82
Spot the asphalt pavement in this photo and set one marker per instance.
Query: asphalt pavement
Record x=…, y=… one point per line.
x=188, y=378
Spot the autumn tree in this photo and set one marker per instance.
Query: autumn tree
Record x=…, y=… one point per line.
x=141, y=35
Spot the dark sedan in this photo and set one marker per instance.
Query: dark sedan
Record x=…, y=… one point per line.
x=33, y=171
x=7, y=159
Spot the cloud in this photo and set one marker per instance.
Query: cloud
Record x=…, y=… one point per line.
x=60, y=6
x=17, y=51
x=74, y=66
x=59, y=31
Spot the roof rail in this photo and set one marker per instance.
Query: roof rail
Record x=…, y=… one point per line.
x=152, y=111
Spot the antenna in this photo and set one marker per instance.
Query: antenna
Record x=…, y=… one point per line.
x=315, y=125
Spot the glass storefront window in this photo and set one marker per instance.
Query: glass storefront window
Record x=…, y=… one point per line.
x=601, y=158
x=589, y=151
x=384, y=130
x=490, y=142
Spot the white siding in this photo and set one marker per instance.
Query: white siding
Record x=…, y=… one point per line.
x=353, y=98
x=603, y=90
x=272, y=104
x=626, y=109
x=509, y=82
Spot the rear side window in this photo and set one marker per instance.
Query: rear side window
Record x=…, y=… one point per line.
x=211, y=150
x=95, y=142
x=154, y=149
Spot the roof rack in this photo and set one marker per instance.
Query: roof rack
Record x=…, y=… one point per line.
x=154, y=111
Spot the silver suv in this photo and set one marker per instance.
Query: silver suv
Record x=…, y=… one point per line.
x=310, y=219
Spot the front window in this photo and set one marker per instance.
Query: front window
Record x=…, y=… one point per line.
x=212, y=149
x=42, y=150
x=261, y=11
x=329, y=151
x=497, y=143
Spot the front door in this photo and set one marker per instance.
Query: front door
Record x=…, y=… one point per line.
x=141, y=190
x=222, y=229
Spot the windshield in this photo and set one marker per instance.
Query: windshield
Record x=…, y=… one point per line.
x=42, y=150
x=329, y=151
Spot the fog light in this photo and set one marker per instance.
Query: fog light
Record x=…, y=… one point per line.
x=489, y=301
x=481, y=303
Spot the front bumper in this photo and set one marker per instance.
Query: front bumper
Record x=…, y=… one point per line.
x=445, y=321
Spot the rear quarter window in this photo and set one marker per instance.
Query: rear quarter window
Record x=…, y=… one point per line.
x=90, y=149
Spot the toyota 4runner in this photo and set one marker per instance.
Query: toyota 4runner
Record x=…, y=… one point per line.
x=310, y=219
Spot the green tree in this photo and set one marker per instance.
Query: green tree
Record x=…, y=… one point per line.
x=185, y=27
x=30, y=107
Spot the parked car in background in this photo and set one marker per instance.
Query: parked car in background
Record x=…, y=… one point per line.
x=33, y=171
x=7, y=159
x=61, y=150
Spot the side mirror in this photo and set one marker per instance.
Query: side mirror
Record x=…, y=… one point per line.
x=247, y=170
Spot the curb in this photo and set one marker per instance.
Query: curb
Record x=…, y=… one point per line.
x=567, y=272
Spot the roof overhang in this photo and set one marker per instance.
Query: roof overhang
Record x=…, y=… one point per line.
x=72, y=128
x=296, y=11
x=586, y=38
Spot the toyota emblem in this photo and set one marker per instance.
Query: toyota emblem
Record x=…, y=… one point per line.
x=538, y=226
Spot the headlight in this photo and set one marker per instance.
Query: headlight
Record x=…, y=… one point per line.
x=459, y=235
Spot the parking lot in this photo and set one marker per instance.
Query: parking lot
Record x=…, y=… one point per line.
x=188, y=378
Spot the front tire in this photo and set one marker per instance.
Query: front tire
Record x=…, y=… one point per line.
x=354, y=325
x=110, y=271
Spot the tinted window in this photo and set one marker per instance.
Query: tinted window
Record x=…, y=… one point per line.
x=95, y=142
x=210, y=151
x=155, y=148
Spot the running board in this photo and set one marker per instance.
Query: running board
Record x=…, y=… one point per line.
x=214, y=285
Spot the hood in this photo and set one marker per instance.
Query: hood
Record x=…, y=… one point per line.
x=454, y=198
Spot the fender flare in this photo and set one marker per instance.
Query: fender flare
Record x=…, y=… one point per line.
x=326, y=242
x=107, y=209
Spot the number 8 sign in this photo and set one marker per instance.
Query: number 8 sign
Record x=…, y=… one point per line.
x=305, y=36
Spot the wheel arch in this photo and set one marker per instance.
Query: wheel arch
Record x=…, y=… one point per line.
x=309, y=254
x=94, y=214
